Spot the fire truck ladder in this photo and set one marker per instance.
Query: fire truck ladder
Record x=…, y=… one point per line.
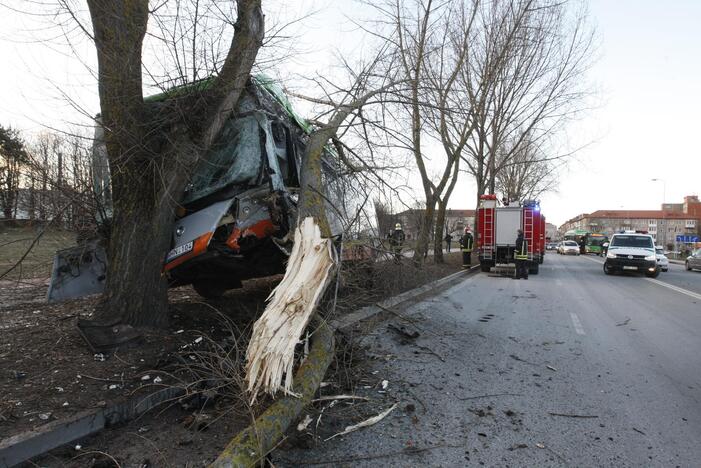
x=528, y=230
x=488, y=235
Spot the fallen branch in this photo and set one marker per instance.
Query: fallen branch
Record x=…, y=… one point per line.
x=366, y=423
x=339, y=397
x=252, y=444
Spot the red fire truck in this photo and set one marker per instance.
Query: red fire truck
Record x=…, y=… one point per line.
x=496, y=233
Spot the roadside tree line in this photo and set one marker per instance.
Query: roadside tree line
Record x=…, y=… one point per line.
x=472, y=87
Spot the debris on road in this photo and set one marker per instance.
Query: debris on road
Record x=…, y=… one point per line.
x=402, y=331
x=368, y=422
x=516, y=358
x=625, y=322
x=304, y=423
x=551, y=368
x=540, y=446
x=585, y=416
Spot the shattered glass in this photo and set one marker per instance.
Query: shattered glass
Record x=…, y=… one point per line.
x=234, y=160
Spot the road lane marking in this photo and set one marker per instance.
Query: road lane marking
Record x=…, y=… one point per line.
x=661, y=283
x=675, y=288
x=577, y=324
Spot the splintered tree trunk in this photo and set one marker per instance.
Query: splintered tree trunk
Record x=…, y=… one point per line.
x=310, y=268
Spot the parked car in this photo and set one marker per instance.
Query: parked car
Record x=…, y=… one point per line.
x=662, y=259
x=693, y=261
x=551, y=246
x=568, y=248
x=631, y=251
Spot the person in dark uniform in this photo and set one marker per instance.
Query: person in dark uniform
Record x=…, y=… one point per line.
x=466, y=242
x=521, y=256
x=448, y=239
x=397, y=241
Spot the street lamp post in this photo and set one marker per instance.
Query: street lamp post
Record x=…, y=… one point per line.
x=664, y=200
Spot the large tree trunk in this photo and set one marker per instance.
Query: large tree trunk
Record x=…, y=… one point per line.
x=425, y=231
x=438, y=232
x=136, y=291
x=148, y=175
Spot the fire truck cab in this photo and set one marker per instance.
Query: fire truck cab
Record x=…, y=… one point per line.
x=497, y=231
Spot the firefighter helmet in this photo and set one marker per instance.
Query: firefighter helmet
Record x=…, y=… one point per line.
x=397, y=227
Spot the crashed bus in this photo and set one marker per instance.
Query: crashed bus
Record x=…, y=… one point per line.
x=237, y=216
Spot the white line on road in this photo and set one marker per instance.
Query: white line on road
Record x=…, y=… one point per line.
x=661, y=283
x=675, y=288
x=577, y=324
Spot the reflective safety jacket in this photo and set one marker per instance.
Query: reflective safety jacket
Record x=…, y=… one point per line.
x=466, y=242
x=521, y=248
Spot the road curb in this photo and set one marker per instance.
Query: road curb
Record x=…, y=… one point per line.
x=29, y=444
x=368, y=312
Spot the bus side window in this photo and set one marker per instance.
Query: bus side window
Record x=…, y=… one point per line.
x=280, y=142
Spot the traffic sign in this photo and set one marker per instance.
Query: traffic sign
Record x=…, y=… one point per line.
x=687, y=239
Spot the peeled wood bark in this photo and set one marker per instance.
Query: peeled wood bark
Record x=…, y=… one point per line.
x=276, y=333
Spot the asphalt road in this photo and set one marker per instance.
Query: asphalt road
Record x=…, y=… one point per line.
x=569, y=368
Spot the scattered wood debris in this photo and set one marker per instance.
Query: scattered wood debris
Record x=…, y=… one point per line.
x=366, y=423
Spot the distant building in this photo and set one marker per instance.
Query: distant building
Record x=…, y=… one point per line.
x=551, y=231
x=674, y=219
x=455, y=221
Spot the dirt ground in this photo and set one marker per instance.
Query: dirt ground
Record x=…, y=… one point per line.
x=47, y=372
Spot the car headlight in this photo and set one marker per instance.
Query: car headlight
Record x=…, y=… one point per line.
x=610, y=254
x=651, y=257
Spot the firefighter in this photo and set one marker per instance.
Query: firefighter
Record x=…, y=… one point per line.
x=521, y=256
x=466, y=242
x=397, y=241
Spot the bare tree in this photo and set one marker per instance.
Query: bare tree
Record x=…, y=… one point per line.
x=450, y=117
x=529, y=174
x=152, y=149
x=13, y=156
x=527, y=79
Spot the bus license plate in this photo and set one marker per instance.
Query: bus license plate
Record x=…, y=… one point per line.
x=180, y=250
x=630, y=267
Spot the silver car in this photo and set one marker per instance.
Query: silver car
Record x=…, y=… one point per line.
x=693, y=261
x=662, y=259
x=568, y=248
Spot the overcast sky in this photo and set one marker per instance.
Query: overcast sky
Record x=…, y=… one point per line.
x=645, y=125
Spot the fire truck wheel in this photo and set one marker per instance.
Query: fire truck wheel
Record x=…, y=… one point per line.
x=534, y=269
x=485, y=267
